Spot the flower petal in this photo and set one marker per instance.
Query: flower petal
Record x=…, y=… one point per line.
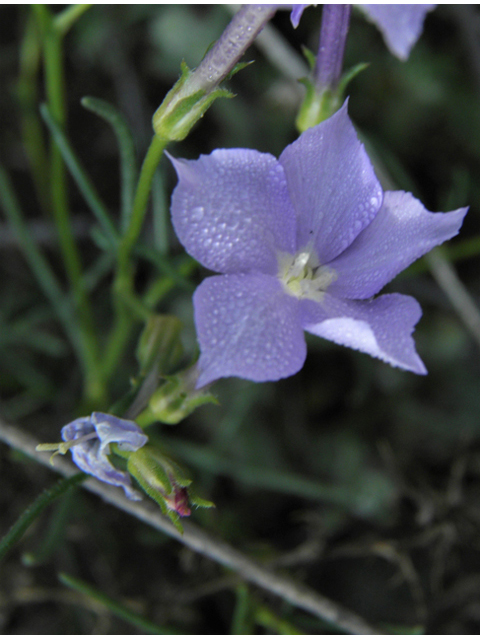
x=77, y=429
x=332, y=185
x=400, y=24
x=296, y=13
x=91, y=455
x=402, y=232
x=231, y=210
x=381, y=327
x=248, y=327
x=90, y=459
x=126, y=433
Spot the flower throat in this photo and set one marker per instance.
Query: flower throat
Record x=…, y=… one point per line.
x=302, y=275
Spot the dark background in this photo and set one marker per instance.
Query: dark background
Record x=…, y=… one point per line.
x=398, y=539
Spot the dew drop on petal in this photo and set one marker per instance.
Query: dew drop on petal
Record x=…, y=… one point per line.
x=197, y=213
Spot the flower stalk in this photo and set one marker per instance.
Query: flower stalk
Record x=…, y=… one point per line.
x=195, y=90
x=183, y=106
x=333, y=36
x=325, y=88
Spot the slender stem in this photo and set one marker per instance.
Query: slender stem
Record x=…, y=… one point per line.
x=242, y=614
x=154, y=154
x=123, y=286
x=270, y=620
x=126, y=145
x=216, y=65
x=94, y=389
x=203, y=542
x=232, y=44
x=333, y=35
x=455, y=290
x=27, y=90
x=82, y=179
x=65, y=20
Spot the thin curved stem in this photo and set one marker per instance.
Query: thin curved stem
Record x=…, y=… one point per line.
x=203, y=542
x=123, y=286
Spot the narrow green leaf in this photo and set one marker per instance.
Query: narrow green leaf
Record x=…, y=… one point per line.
x=35, y=509
x=80, y=176
x=38, y=264
x=128, y=160
x=65, y=20
x=242, y=613
x=349, y=75
x=265, y=617
x=55, y=533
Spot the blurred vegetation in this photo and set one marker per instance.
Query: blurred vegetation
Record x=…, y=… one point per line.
x=362, y=480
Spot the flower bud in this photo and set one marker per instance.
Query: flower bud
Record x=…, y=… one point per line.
x=176, y=399
x=183, y=107
x=165, y=482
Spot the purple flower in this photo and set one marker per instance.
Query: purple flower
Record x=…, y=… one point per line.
x=304, y=243
x=94, y=435
x=297, y=13
x=400, y=24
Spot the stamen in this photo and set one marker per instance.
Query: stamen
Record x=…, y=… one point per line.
x=61, y=448
x=302, y=275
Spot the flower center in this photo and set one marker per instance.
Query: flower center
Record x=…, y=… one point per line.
x=303, y=276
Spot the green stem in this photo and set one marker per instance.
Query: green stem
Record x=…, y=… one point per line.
x=65, y=20
x=265, y=617
x=241, y=621
x=128, y=158
x=35, y=509
x=140, y=202
x=32, y=134
x=82, y=179
x=94, y=389
x=123, y=287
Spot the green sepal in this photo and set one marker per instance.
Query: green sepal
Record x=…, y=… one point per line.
x=310, y=57
x=200, y=503
x=176, y=399
x=178, y=113
x=179, y=474
x=165, y=482
x=349, y=75
x=316, y=107
x=145, y=465
x=175, y=518
x=321, y=103
x=158, y=498
x=238, y=67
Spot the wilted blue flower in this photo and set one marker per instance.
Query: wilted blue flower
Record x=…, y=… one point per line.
x=89, y=439
x=304, y=243
x=400, y=24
